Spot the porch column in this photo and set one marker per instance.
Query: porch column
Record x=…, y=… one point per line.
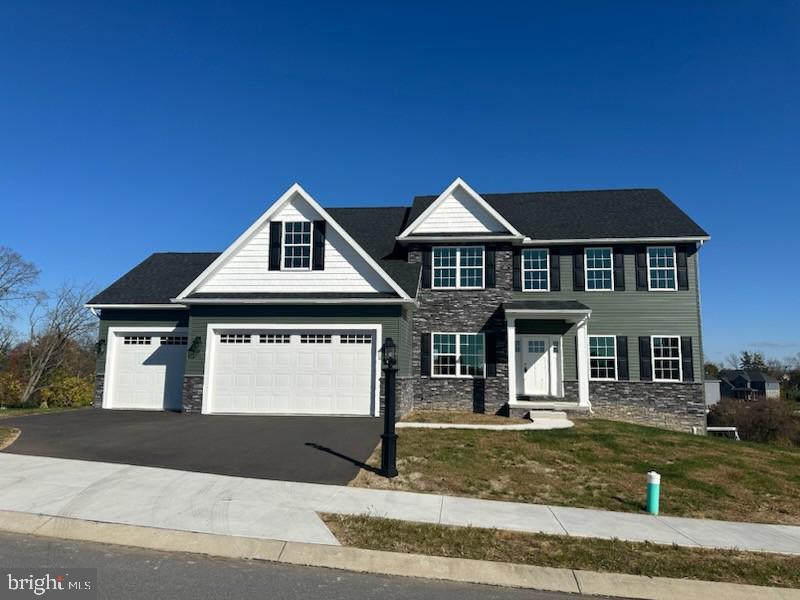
x=583, y=362
x=512, y=359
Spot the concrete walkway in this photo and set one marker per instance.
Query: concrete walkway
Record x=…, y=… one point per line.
x=281, y=510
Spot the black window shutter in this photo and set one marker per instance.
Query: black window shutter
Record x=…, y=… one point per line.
x=641, y=269
x=623, y=373
x=425, y=354
x=645, y=362
x=555, y=270
x=318, y=248
x=619, y=269
x=490, y=270
x=686, y=358
x=275, y=232
x=578, y=278
x=683, y=268
x=426, y=268
x=491, y=354
x=517, y=268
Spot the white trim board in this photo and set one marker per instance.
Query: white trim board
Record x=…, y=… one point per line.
x=212, y=328
x=137, y=306
x=295, y=189
x=460, y=183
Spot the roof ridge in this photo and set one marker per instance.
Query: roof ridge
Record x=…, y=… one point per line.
x=574, y=191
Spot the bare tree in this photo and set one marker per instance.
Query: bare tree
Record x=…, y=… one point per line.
x=733, y=360
x=17, y=277
x=54, y=326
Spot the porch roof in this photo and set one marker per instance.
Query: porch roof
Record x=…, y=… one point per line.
x=546, y=305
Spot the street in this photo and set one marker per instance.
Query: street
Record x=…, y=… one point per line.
x=131, y=574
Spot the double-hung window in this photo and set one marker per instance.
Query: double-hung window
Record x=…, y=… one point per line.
x=297, y=245
x=535, y=270
x=666, y=357
x=661, y=270
x=599, y=269
x=602, y=357
x=458, y=267
x=458, y=355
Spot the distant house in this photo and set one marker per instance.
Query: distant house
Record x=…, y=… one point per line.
x=748, y=384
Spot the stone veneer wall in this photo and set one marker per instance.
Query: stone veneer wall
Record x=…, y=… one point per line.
x=192, y=398
x=678, y=406
x=404, y=399
x=99, y=383
x=464, y=311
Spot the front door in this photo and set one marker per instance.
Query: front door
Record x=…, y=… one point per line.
x=538, y=365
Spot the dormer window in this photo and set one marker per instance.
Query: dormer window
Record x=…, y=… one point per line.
x=458, y=267
x=297, y=245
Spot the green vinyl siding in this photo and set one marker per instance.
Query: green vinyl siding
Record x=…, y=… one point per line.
x=390, y=317
x=631, y=313
x=136, y=318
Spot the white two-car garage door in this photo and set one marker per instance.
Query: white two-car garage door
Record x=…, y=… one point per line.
x=144, y=370
x=320, y=372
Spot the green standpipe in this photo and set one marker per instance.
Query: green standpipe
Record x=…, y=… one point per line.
x=653, y=492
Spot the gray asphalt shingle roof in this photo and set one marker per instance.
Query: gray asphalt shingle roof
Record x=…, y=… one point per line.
x=587, y=214
x=540, y=215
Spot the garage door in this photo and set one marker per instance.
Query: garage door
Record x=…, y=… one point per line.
x=280, y=372
x=146, y=371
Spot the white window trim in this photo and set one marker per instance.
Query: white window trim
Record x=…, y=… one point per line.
x=458, y=285
x=458, y=356
x=310, y=247
x=653, y=359
x=616, y=361
x=586, y=269
x=547, y=269
x=674, y=288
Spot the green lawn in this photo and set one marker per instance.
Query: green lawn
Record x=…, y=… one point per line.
x=8, y=413
x=601, y=464
x=591, y=554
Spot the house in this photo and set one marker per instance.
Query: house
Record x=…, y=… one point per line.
x=748, y=384
x=503, y=303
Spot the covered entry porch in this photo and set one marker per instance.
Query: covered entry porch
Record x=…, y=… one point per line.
x=549, y=353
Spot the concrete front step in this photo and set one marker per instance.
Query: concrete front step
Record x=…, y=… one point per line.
x=559, y=415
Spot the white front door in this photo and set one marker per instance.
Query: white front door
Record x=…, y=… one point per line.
x=538, y=365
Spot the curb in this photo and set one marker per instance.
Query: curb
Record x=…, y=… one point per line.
x=533, y=426
x=387, y=563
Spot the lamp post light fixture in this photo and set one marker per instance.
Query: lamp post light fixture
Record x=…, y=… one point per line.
x=389, y=437
x=194, y=348
x=100, y=346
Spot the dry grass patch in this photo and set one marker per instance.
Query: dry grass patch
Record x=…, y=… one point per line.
x=462, y=418
x=601, y=464
x=612, y=556
x=7, y=436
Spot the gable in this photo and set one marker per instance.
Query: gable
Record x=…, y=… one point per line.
x=459, y=213
x=244, y=267
x=459, y=210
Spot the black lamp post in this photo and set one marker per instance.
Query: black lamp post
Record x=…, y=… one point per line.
x=389, y=437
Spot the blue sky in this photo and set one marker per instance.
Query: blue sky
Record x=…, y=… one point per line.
x=133, y=127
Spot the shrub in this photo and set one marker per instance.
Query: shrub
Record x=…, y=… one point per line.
x=10, y=389
x=68, y=390
x=764, y=420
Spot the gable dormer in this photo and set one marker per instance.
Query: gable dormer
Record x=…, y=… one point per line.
x=459, y=210
x=294, y=248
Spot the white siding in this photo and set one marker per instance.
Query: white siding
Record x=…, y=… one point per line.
x=247, y=269
x=459, y=213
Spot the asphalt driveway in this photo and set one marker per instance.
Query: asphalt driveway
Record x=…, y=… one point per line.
x=309, y=449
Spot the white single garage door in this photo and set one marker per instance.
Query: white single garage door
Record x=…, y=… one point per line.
x=145, y=370
x=319, y=372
